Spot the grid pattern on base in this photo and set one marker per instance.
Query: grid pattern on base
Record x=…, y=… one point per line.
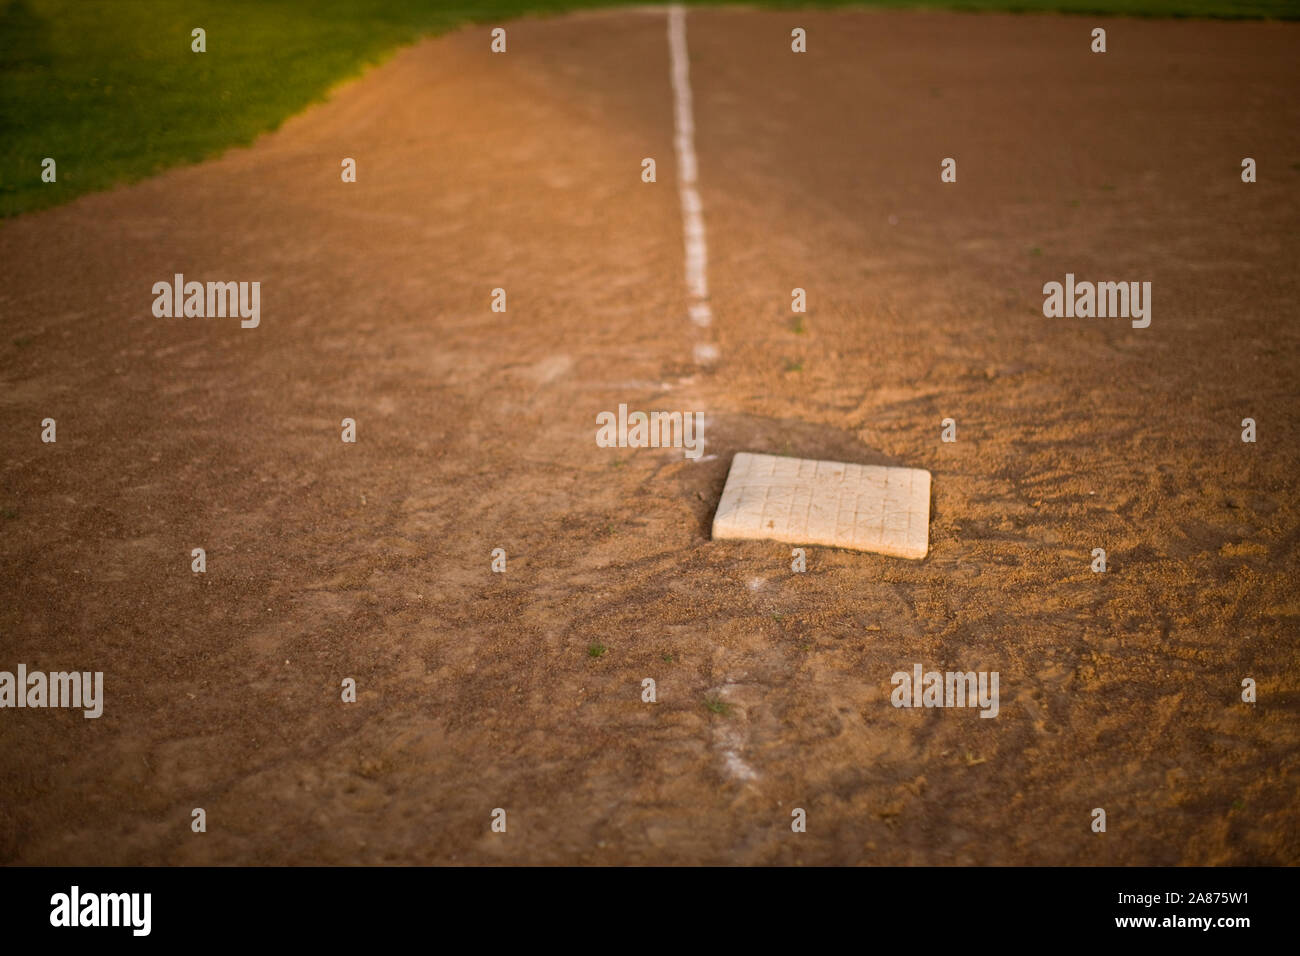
x=804, y=501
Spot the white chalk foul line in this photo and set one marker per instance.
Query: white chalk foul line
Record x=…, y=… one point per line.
x=697, y=250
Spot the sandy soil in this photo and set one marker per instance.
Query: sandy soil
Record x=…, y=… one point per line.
x=476, y=431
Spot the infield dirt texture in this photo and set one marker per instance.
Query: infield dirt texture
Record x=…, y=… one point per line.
x=475, y=430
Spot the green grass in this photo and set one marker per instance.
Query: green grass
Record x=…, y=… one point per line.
x=596, y=650
x=112, y=92
x=716, y=705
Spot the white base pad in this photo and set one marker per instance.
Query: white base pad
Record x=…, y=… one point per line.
x=804, y=501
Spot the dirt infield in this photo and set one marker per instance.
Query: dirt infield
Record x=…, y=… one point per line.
x=475, y=429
